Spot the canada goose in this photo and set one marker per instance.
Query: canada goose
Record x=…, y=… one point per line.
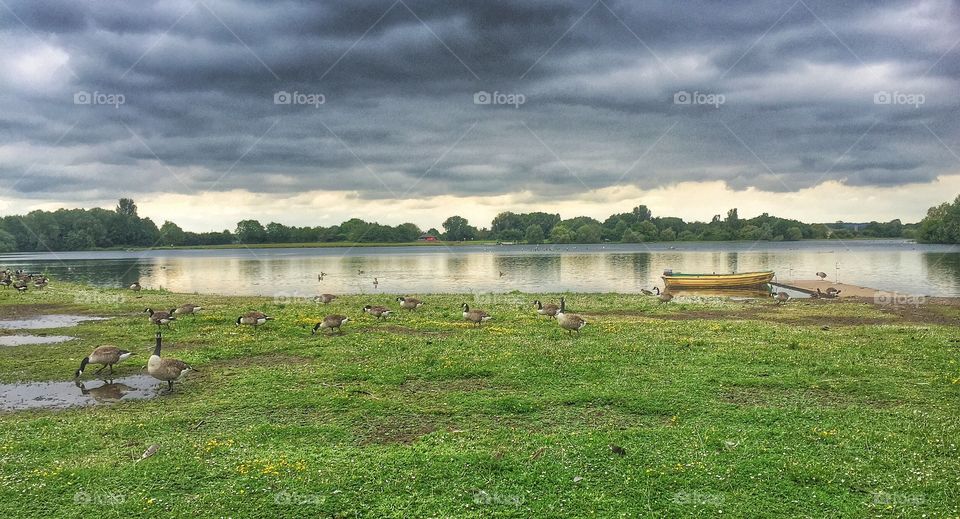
x=646, y=292
x=618, y=450
x=161, y=318
x=781, y=297
x=21, y=286
x=331, y=322
x=167, y=369
x=569, y=322
x=822, y=275
x=477, y=317
x=320, y=276
x=253, y=318
x=6, y=282
x=832, y=291
x=664, y=297
x=375, y=282
x=501, y=273
x=135, y=286
x=107, y=356
x=409, y=303
x=380, y=312
x=324, y=298
x=656, y=290
x=187, y=308
x=549, y=310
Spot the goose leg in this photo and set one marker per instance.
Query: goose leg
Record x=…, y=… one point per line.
x=97, y=372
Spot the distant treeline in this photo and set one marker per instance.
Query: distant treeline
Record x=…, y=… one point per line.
x=80, y=229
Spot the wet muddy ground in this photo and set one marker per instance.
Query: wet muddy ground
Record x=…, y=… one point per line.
x=41, y=322
x=29, y=340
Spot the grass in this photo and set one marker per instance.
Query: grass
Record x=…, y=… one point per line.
x=733, y=409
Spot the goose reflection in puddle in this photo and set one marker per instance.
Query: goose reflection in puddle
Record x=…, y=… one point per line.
x=108, y=391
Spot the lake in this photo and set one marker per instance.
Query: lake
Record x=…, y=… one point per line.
x=896, y=265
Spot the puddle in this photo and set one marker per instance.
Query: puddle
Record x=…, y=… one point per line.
x=59, y=395
x=48, y=321
x=23, y=340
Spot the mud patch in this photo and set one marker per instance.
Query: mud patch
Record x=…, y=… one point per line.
x=397, y=432
x=41, y=322
x=27, y=340
x=60, y=395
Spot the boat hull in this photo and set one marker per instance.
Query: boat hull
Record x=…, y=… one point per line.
x=743, y=280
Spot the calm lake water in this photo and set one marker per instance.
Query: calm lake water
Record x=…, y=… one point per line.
x=886, y=264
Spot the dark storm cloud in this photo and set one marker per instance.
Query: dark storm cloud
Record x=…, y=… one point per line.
x=198, y=78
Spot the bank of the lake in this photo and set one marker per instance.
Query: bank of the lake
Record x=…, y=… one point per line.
x=739, y=408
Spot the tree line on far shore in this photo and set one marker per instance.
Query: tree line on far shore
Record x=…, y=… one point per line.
x=83, y=229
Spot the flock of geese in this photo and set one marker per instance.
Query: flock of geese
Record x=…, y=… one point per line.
x=21, y=281
x=168, y=369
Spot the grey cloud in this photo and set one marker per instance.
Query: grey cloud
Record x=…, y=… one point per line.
x=200, y=94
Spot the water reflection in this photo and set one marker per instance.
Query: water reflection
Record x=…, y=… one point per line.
x=57, y=395
x=888, y=264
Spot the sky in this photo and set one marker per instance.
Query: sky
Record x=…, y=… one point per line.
x=309, y=113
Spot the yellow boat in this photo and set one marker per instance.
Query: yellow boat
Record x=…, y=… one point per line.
x=677, y=281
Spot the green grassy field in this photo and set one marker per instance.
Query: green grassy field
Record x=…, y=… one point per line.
x=811, y=409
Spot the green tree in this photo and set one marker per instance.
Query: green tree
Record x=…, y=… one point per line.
x=457, y=228
x=668, y=234
x=942, y=224
x=250, y=231
x=562, y=234
x=589, y=233
x=793, y=234
x=172, y=234
x=534, y=234
x=8, y=243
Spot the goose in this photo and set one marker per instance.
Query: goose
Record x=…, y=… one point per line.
x=135, y=286
x=664, y=297
x=409, y=303
x=646, y=292
x=6, y=282
x=781, y=297
x=167, y=369
x=832, y=291
x=501, y=273
x=375, y=282
x=324, y=298
x=320, y=276
x=549, y=310
x=477, y=316
x=187, y=308
x=331, y=322
x=107, y=356
x=569, y=322
x=822, y=275
x=380, y=312
x=254, y=318
x=161, y=318
x=21, y=286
